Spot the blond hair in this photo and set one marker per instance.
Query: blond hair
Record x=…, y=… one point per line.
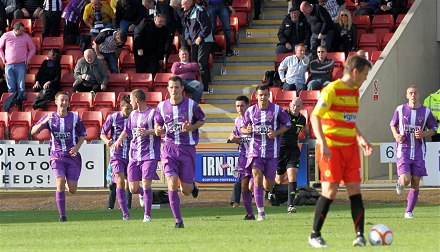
x=339, y=19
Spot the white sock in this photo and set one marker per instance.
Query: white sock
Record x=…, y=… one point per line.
x=260, y=209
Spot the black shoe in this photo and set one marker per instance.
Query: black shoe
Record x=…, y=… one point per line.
x=195, y=191
x=229, y=53
x=249, y=217
x=109, y=208
x=179, y=225
x=63, y=219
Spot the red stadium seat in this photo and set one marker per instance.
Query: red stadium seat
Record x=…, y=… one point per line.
x=29, y=82
x=350, y=5
x=161, y=79
x=81, y=101
x=128, y=63
x=38, y=26
x=399, y=20
x=44, y=134
x=243, y=18
x=3, y=98
x=104, y=102
x=67, y=81
x=4, y=123
x=409, y=4
x=92, y=121
x=153, y=98
x=19, y=126
x=51, y=43
x=338, y=72
x=283, y=98
x=221, y=41
x=280, y=58
x=375, y=56
x=75, y=52
x=129, y=43
x=309, y=96
x=275, y=90
x=30, y=98
x=362, y=22
x=386, y=38
x=354, y=53
x=171, y=59
x=142, y=81
x=118, y=82
x=370, y=40
x=242, y=6
x=37, y=43
x=383, y=21
x=27, y=22
x=35, y=63
x=67, y=62
x=163, y=90
x=338, y=58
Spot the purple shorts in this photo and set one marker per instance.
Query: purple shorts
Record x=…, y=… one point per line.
x=119, y=165
x=412, y=167
x=179, y=160
x=64, y=165
x=138, y=170
x=243, y=171
x=267, y=165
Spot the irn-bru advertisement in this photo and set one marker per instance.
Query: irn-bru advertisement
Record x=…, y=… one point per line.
x=211, y=167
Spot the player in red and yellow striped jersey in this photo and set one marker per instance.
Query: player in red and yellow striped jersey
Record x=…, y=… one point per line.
x=333, y=121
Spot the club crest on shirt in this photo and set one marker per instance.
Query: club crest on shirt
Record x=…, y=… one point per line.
x=420, y=119
x=269, y=118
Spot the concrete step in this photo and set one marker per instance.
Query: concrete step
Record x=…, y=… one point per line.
x=207, y=138
x=259, y=41
x=245, y=70
x=248, y=52
x=275, y=4
x=228, y=99
x=235, y=90
x=255, y=45
x=234, y=82
x=217, y=127
x=273, y=14
x=225, y=117
x=218, y=108
x=261, y=60
x=266, y=22
x=261, y=33
x=238, y=77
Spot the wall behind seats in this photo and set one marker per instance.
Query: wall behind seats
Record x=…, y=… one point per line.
x=411, y=57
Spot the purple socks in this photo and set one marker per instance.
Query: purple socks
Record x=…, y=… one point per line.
x=413, y=195
x=247, y=202
x=61, y=203
x=122, y=200
x=148, y=201
x=173, y=196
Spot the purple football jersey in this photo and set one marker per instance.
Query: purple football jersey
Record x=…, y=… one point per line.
x=142, y=147
x=244, y=138
x=408, y=120
x=173, y=117
x=262, y=120
x=64, y=131
x=114, y=124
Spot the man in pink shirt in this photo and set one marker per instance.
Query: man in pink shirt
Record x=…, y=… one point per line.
x=16, y=49
x=188, y=72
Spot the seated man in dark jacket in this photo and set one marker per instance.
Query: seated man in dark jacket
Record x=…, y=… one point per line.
x=90, y=73
x=320, y=70
x=292, y=31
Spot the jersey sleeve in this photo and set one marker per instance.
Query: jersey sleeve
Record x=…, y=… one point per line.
x=158, y=116
x=431, y=122
x=324, y=103
x=128, y=127
x=46, y=125
x=284, y=119
x=199, y=115
x=80, y=128
x=106, y=127
x=395, y=120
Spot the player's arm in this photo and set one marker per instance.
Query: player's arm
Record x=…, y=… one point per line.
x=105, y=130
x=317, y=129
x=399, y=138
x=158, y=129
x=120, y=139
x=41, y=124
x=233, y=138
x=274, y=134
x=191, y=127
x=419, y=134
x=431, y=124
x=365, y=145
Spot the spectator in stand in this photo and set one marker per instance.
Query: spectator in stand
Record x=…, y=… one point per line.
x=346, y=33
x=71, y=14
x=321, y=70
x=3, y=22
x=257, y=9
x=51, y=16
x=296, y=66
x=3, y=85
x=28, y=9
x=293, y=30
x=47, y=80
x=108, y=44
x=222, y=8
x=16, y=49
x=149, y=44
x=10, y=7
x=99, y=15
x=321, y=24
x=171, y=21
x=90, y=73
x=394, y=7
x=113, y=4
x=433, y=103
x=129, y=14
x=188, y=71
x=362, y=7
x=198, y=35
x=331, y=6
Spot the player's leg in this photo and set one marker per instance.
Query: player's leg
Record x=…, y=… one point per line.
x=120, y=192
x=404, y=174
x=357, y=212
x=60, y=197
x=258, y=176
x=246, y=195
x=173, y=196
x=291, y=188
x=187, y=164
x=134, y=176
x=413, y=196
x=149, y=168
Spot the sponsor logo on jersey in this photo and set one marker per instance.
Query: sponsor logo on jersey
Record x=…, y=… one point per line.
x=349, y=117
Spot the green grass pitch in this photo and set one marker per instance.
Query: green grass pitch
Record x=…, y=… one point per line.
x=212, y=229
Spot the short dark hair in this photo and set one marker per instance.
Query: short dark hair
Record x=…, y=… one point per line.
x=176, y=78
x=18, y=25
x=242, y=98
x=122, y=36
x=56, y=54
x=138, y=94
x=125, y=99
x=262, y=87
x=61, y=93
x=356, y=62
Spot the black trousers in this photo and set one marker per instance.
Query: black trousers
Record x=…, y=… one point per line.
x=80, y=87
x=51, y=23
x=200, y=53
x=146, y=64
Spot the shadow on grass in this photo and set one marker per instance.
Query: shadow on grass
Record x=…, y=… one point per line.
x=224, y=213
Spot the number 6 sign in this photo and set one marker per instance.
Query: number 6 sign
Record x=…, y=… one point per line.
x=387, y=153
